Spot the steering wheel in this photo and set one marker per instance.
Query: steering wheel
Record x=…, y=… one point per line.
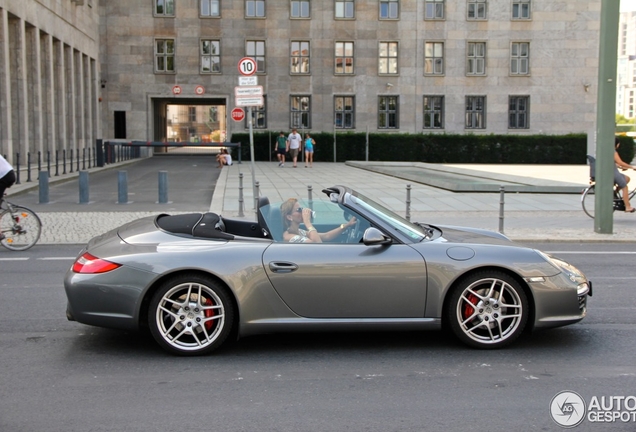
x=353, y=235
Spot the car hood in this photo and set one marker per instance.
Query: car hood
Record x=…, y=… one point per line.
x=466, y=235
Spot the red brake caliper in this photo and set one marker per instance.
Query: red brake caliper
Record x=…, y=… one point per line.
x=468, y=308
x=209, y=313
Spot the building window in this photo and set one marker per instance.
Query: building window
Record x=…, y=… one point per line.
x=259, y=116
x=434, y=58
x=388, y=58
x=344, y=112
x=518, y=111
x=521, y=9
x=164, y=8
x=192, y=114
x=256, y=50
x=299, y=57
x=433, y=112
x=434, y=10
x=300, y=112
x=477, y=10
x=210, y=56
x=344, y=58
x=345, y=9
x=476, y=58
x=255, y=8
x=164, y=55
x=389, y=9
x=520, y=58
x=210, y=8
x=300, y=9
x=388, y=115
x=475, y=112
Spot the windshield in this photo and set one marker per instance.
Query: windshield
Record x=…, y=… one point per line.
x=412, y=231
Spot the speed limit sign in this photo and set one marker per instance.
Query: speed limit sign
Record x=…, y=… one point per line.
x=247, y=66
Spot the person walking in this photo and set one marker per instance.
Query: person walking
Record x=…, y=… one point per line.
x=281, y=149
x=309, y=150
x=293, y=145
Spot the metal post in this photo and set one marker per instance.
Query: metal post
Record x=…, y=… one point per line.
x=57, y=161
x=408, y=202
x=241, y=214
x=17, y=168
x=502, y=192
x=44, y=187
x=70, y=165
x=310, y=193
x=256, y=195
x=83, y=187
x=122, y=187
x=48, y=162
x=39, y=162
x=28, y=166
x=163, y=187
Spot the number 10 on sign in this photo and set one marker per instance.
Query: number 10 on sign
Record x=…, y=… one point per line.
x=247, y=66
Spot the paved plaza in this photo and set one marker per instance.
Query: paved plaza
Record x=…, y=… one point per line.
x=196, y=185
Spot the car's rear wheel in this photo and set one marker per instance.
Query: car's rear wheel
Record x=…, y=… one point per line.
x=190, y=315
x=488, y=310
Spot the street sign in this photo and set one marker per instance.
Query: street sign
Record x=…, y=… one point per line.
x=238, y=114
x=247, y=66
x=248, y=80
x=199, y=90
x=176, y=90
x=249, y=101
x=248, y=91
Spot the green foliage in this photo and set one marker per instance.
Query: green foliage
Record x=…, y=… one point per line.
x=432, y=148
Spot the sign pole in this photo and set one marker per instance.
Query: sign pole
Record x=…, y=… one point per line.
x=249, y=117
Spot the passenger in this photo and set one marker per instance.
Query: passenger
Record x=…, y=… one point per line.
x=621, y=180
x=293, y=215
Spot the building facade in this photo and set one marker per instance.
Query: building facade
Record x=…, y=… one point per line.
x=405, y=66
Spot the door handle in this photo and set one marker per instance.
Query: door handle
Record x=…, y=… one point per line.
x=282, y=267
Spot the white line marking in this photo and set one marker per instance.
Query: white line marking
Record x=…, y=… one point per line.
x=592, y=252
x=56, y=258
x=15, y=259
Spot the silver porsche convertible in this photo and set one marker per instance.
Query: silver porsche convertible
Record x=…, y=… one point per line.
x=195, y=280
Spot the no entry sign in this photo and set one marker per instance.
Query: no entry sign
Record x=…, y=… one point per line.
x=238, y=114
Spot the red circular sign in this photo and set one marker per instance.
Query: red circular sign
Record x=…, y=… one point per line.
x=199, y=90
x=238, y=114
x=176, y=89
x=247, y=66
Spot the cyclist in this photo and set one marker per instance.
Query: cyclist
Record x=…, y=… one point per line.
x=7, y=176
x=621, y=180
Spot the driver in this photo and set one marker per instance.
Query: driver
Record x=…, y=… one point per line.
x=293, y=215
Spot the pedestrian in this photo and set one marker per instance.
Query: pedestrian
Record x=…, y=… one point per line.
x=281, y=149
x=293, y=145
x=621, y=180
x=224, y=158
x=309, y=150
x=7, y=176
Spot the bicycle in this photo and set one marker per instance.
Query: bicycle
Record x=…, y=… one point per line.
x=20, y=227
x=588, y=198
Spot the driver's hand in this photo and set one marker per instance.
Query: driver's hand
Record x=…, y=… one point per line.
x=306, y=215
x=351, y=222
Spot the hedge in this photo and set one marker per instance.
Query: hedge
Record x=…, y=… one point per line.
x=436, y=148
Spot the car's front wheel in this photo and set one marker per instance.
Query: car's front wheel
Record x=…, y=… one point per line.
x=488, y=310
x=190, y=315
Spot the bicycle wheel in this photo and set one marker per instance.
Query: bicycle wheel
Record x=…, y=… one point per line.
x=587, y=201
x=21, y=229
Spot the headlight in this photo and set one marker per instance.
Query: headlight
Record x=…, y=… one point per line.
x=574, y=274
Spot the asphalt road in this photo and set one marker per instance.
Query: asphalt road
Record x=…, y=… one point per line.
x=64, y=376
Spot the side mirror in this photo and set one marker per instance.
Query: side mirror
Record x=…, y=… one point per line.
x=373, y=237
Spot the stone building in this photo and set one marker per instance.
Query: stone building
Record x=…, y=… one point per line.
x=407, y=66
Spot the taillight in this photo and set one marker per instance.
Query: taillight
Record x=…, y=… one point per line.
x=90, y=264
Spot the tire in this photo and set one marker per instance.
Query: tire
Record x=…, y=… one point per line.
x=21, y=230
x=587, y=201
x=195, y=327
x=488, y=310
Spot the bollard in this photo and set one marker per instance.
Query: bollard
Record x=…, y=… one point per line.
x=64, y=161
x=501, y=209
x=241, y=214
x=256, y=195
x=83, y=187
x=163, y=187
x=28, y=166
x=57, y=161
x=122, y=187
x=408, y=202
x=310, y=193
x=44, y=187
x=17, y=168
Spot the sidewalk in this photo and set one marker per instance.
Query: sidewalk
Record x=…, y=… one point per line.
x=527, y=216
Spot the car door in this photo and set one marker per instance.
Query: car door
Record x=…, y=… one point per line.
x=348, y=280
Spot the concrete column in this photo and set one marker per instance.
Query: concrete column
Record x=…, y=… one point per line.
x=60, y=95
x=21, y=93
x=49, y=85
x=6, y=132
x=71, y=118
x=37, y=114
x=81, y=102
